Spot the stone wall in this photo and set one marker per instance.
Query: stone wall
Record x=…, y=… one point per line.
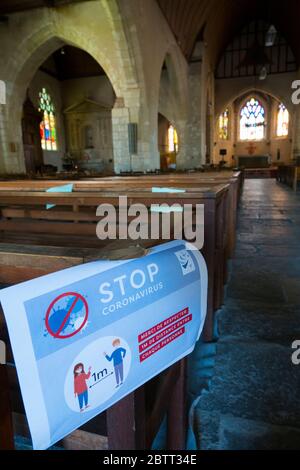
x=130, y=39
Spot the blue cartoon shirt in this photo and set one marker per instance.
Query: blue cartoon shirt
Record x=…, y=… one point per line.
x=117, y=356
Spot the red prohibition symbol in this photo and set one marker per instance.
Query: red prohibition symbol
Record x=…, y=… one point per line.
x=58, y=320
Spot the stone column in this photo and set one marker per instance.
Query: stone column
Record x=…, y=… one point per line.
x=296, y=133
x=129, y=110
x=120, y=121
x=192, y=149
x=11, y=141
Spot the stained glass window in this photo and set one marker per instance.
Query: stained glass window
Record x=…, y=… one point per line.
x=47, y=125
x=252, y=120
x=223, y=125
x=282, y=121
x=172, y=139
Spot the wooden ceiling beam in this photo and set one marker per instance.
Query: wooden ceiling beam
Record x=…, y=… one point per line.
x=224, y=19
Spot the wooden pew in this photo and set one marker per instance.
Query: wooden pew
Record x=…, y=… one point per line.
x=296, y=178
x=23, y=211
x=185, y=180
x=194, y=180
x=182, y=180
x=290, y=175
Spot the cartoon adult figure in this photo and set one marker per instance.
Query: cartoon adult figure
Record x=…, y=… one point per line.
x=80, y=385
x=117, y=357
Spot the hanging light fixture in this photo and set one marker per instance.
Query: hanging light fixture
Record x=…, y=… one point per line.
x=270, y=36
x=263, y=73
x=255, y=56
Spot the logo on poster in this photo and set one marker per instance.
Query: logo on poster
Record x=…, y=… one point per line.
x=186, y=261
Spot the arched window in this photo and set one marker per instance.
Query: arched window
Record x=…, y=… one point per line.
x=282, y=121
x=172, y=139
x=252, y=120
x=47, y=125
x=223, y=125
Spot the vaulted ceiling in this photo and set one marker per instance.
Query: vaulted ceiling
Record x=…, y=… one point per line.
x=215, y=21
x=71, y=62
x=218, y=21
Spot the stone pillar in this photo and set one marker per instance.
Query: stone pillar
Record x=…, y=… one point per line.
x=192, y=148
x=2, y=140
x=182, y=157
x=147, y=156
x=210, y=118
x=296, y=133
x=120, y=121
x=11, y=141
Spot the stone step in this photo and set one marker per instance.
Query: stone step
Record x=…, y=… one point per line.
x=228, y=432
x=255, y=379
x=207, y=425
x=246, y=434
x=252, y=320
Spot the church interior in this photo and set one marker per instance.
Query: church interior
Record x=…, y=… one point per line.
x=114, y=98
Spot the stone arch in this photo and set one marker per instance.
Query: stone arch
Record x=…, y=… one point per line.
x=18, y=82
x=270, y=141
x=35, y=48
x=177, y=82
x=247, y=93
x=247, y=90
x=173, y=94
x=234, y=117
x=49, y=42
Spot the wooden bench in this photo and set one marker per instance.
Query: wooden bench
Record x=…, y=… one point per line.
x=74, y=215
x=35, y=241
x=290, y=175
x=234, y=179
x=130, y=183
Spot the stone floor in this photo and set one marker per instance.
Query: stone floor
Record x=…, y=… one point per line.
x=252, y=399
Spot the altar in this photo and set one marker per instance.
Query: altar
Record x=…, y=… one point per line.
x=254, y=161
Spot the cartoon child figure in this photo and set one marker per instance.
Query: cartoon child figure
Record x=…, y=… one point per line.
x=80, y=385
x=117, y=357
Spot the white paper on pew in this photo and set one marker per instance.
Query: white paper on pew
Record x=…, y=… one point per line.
x=65, y=188
x=154, y=305
x=160, y=208
x=167, y=190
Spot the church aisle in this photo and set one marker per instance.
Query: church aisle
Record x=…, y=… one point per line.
x=253, y=400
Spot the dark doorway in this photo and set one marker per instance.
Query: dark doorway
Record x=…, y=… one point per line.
x=31, y=137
